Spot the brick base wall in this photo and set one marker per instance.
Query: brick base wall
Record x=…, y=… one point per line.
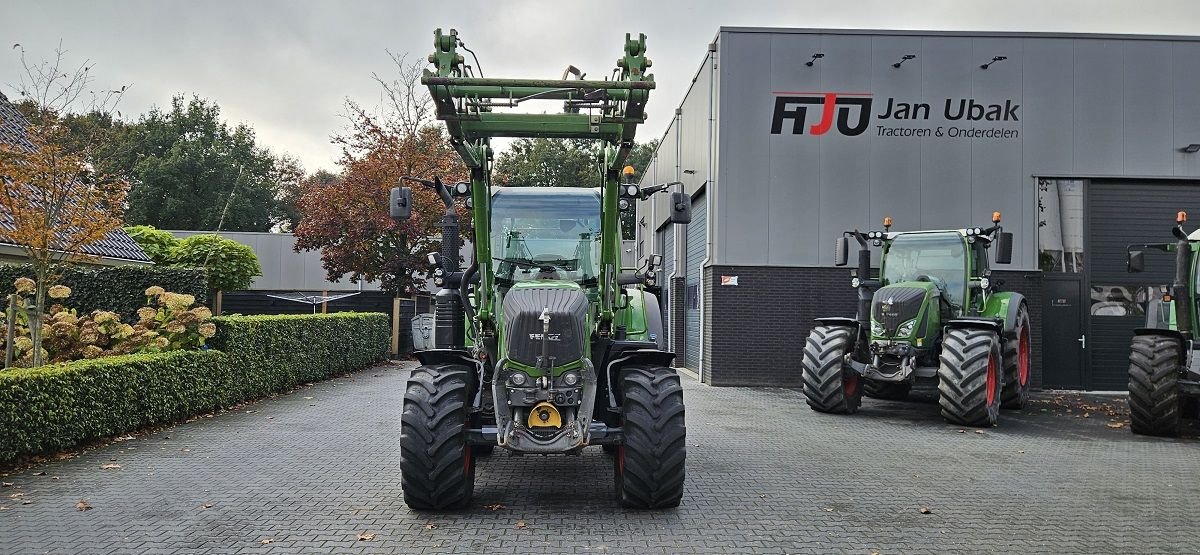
x=754, y=332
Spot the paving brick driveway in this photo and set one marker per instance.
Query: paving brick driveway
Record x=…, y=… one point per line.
x=311, y=471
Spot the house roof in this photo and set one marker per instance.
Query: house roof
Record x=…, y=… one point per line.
x=116, y=244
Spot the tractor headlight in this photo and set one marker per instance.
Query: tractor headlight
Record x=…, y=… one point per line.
x=855, y=282
x=876, y=328
x=984, y=283
x=906, y=328
x=517, y=378
x=570, y=379
x=623, y=204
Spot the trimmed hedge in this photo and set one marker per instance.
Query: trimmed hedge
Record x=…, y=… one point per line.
x=56, y=407
x=121, y=289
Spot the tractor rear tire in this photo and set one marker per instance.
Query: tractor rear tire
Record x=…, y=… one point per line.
x=1017, y=369
x=969, y=378
x=437, y=469
x=1154, y=401
x=828, y=384
x=889, y=391
x=649, y=467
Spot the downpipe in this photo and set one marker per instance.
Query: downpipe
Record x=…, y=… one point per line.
x=710, y=189
x=675, y=231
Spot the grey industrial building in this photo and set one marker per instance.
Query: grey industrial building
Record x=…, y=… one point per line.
x=787, y=137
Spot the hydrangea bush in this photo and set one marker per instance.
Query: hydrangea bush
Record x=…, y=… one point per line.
x=168, y=322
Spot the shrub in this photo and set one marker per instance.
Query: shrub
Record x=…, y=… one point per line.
x=158, y=244
x=121, y=289
x=231, y=266
x=58, y=406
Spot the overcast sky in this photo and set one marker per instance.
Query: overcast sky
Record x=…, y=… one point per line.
x=286, y=67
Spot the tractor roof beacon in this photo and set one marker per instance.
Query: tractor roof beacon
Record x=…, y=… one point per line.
x=933, y=313
x=1164, y=370
x=542, y=344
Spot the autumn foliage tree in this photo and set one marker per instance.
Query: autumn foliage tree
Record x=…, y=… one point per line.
x=347, y=218
x=54, y=202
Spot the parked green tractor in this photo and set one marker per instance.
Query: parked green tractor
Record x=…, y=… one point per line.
x=542, y=345
x=1164, y=371
x=934, y=313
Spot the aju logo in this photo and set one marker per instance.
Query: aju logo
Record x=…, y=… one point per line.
x=850, y=111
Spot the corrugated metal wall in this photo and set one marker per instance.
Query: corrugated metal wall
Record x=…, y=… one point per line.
x=666, y=240
x=695, y=257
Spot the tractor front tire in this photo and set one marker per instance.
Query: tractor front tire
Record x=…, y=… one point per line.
x=969, y=378
x=649, y=466
x=437, y=469
x=889, y=391
x=828, y=384
x=1017, y=376
x=1154, y=400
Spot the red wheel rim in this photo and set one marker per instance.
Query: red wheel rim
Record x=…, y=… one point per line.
x=850, y=385
x=1023, y=357
x=991, y=379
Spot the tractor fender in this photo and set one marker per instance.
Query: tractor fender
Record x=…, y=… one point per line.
x=1185, y=347
x=838, y=321
x=1006, y=305
x=653, y=357
x=654, y=321
x=445, y=356
x=990, y=324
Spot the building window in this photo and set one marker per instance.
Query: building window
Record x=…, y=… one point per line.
x=693, y=297
x=1119, y=300
x=1060, y=225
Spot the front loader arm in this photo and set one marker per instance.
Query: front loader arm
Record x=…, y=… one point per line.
x=614, y=108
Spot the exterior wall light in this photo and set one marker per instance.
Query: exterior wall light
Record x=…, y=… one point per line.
x=906, y=58
x=1191, y=149
x=814, y=59
x=994, y=60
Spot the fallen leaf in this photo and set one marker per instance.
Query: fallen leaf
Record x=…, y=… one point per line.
x=762, y=496
x=250, y=412
x=828, y=509
x=430, y=526
x=962, y=431
x=266, y=541
x=83, y=505
x=980, y=432
x=110, y=466
x=1114, y=424
x=926, y=510
x=206, y=506
x=520, y=524
x=1021, y=451
x=186, y=450
x=366, y=537
x=17, y=495
x=308, y=398
x=1087, y=414
x=494, y=507
x=270, y=418
x=6, y=484
x=3, y=508
x=40, y=473
x=26, y=502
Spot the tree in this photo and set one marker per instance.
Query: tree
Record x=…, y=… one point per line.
x=347, y=218
x=57, y=202
x=289, y=174
x=230, y=265
x=191, y=170
x=159, y=245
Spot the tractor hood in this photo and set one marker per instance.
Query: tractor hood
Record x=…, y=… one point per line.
x=894, y=306
x=528, y=306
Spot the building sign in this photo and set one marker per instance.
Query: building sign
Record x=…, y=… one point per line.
x=729, y=280
x=852, y=114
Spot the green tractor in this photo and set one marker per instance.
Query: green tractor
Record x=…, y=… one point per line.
x=543, y=345
x=935, y=314
x=1164, y=371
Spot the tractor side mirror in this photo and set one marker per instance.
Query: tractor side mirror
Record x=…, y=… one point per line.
x=401, y=203
x=1004, y=248
x=681, y=208
x=841, y=251
x=1135, y=261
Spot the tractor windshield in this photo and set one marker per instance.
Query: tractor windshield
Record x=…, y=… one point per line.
x=939, y=258
x=544, y=233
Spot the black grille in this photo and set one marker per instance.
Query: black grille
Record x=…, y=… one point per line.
x=892, y=306
x=568, y=313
